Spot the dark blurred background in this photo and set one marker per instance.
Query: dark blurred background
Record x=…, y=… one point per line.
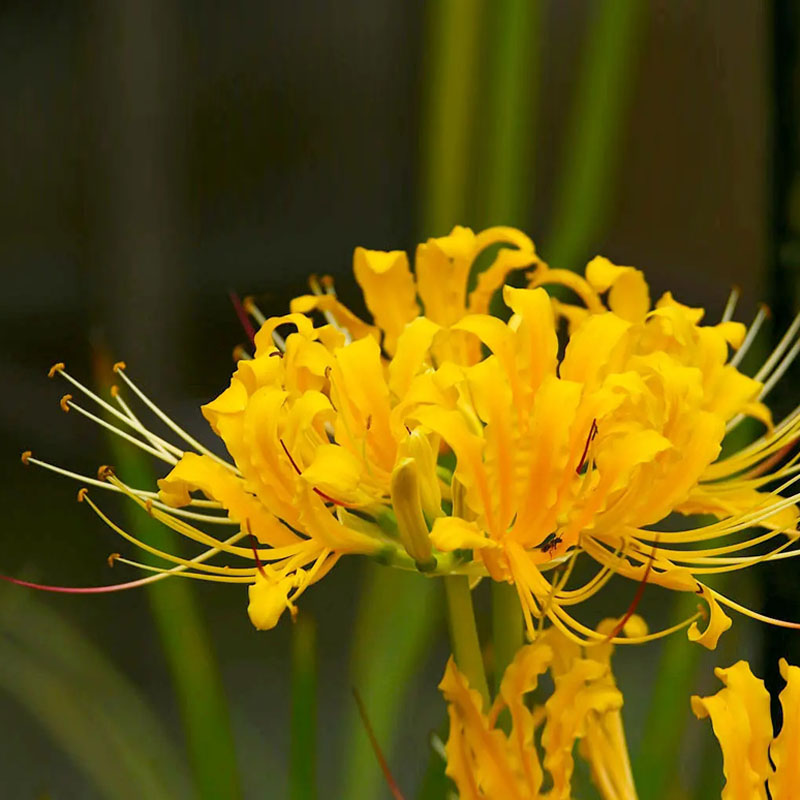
x=155, y=154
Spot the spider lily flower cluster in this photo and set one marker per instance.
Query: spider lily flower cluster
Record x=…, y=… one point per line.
x=437, y=437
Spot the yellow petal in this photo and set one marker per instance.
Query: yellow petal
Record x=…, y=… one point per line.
x=507, y=260
x=337, y=472
x=785, y=750
x=200, y=472
x=629, y=296
x=411, y=354
x=268, y=601
x=389, y=290
x=479, y=759
x=741, y=720
x=580, y=693
x=718, y=622
x=453, y=533
x=343, y=316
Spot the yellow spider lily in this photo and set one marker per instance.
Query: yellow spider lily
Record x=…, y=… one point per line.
x=444, y=439
x=740, y=716
x=486, y=762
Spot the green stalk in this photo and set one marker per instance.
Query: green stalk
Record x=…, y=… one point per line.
x=302, y=755
x=187, y=647
x=452, y=50
x=592, y=145
x=464, y=634
x=507, y=627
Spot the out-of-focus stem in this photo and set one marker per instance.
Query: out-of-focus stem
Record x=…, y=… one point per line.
x=464, y=634
x=507, y=627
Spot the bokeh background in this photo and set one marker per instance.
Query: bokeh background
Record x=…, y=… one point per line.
x=156, y=154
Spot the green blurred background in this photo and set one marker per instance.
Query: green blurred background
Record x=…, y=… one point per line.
x=155, y=154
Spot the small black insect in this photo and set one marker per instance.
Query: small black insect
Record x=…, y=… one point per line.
x=550, y=543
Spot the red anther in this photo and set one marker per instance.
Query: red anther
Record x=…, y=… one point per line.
x=64, y=402
x=51, y=373
x=112, y=558
x=241, y=312
x=589, y=440
x=373, y=740
x=119, y=365
x=25, y=456
x=326, y=281
x=766, y=309
x=82, y=492
x=637, y=598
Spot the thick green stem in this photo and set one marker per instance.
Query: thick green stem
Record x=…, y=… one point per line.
x=507, y=627
x=464, y=634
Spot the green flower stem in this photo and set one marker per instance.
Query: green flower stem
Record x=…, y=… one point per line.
x=302, y=754
x=507, y=627
x=464, y=634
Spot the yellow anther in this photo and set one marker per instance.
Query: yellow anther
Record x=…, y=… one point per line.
x=114, y=390
x=118, y=366
x=82, y=494
x=64, y=402
x=766, y=309
x=326, y=281
x=238, y=352
x=104, y=472
x=247, y=304
x=25, y=456
x=112, y=558
x=57, y=367
x=148, y=506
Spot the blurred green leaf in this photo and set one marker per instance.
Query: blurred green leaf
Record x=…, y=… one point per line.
x=592, y=145
x=451, y=59
x=188, y=649
x=511, y=89
x=89, y=708
x=398, y=614
x=659, y=748
x=303, y=754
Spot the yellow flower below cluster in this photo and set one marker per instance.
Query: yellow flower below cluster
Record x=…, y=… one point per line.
x=486, y=762
x=752, y=757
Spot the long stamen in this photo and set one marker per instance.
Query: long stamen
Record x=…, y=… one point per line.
x=68, y=403
x=27, y=458
x=116, y=587
x=119, y=368
x=156, y=441
x=242, y=315
x=730, y=306
x=752, y=332
x=128, y=418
